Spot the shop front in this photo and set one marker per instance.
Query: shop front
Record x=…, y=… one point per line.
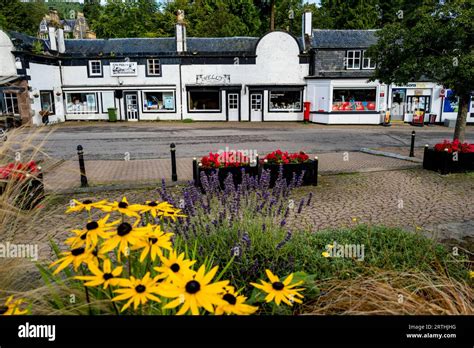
x=413, y=102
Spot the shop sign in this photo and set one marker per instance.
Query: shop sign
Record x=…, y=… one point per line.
x=212, y=79
x=416, y=85
x=418, y=92
x=123, y=69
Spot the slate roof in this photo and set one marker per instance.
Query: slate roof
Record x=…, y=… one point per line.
x=330, y=38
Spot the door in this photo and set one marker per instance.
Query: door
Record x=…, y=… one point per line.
x=397, y=111
x=256, y=106
x=131, y=106
x=419, y=107
x=233, y=106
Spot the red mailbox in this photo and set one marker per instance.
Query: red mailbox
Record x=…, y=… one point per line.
x=307, y=108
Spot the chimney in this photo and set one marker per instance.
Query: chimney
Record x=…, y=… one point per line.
x=180, y=32
x=60, y=38
x=52, y=39
x=307, y=29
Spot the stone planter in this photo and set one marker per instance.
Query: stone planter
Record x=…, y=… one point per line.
x=310, y=169
x=445, y=162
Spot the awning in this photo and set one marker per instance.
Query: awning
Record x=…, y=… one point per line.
x=8, y=79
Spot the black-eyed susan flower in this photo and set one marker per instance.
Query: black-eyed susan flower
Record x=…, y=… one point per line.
x=75, y=257
x=174, y=265
x=12, y=307
x=280, y=290
x=194, y=291
x=123, y=207
x=107, y=276
x=89, y=236
x=234, y=303
x=153, y=243
x=86, y=205
x=125, y=236
x=161, y=209
x=137, y=291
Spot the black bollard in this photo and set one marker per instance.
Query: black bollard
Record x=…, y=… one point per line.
x=412, y=146
x=82, y=167
x=316, y=164
x=174, y=175
x=195, y=171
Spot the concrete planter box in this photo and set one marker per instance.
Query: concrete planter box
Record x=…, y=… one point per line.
x=445, y=163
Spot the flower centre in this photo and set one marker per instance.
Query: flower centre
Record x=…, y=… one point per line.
x=92, y=225
x=95, y=253
x=175, y=267
x=123, y=205
x=230, y=298
x=123, y=229
x=107, y=276
x=152, y=204
x=153, y=240
x=192, y=287
x=77, y=251
x=140, y=288
x=84, y=236
x=3, y=309
x=87, y=201
x=278, y=285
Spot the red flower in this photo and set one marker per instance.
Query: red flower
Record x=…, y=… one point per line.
x=225, y=159
x=454, y=146
x=279, y=157
x=18, y=170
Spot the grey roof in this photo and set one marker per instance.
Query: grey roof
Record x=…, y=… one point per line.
x=222, y=44
x=329, y=38
x=70, y=22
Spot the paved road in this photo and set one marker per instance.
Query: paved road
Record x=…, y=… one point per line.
x=151, y=140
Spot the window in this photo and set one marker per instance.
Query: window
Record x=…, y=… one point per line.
x=233, y=101
x=204, y=100
x=355, y=99
x=108, y=101
x=256, y=102
x=11, y=103
x=353, y=60
x=47, y=101
x=153, y=67
x=81, y=102
x=285, y=101
x=95, y=68
x=367, y=62
x=155, y=101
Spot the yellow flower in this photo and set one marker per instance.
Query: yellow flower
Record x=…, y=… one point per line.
x=354, y=219
x=124, y=208
x=194, y=291
x=329, y=246
x=471, y=274
x=234, y=303
x=137, y=291
x=174, y=266
x=89, y=236
x=124, y=236
x=325, y=254
x=106, y=277
x=153, y=242
x=75, y=257
x=280, y=291
x=12, y=307
x=163, y=209
x=85, y=205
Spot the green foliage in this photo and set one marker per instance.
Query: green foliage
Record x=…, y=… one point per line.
x=37, y=47
x=21, y=16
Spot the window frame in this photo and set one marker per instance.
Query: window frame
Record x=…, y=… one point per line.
x=354, y=59
x=270, y=91
x=158, y=110
x=374, y=89
x=369, y=67
x=147, y=70
x=90, y=69
x=81, y=112
x=51, y=95
x=12, y=96
x=204, y=111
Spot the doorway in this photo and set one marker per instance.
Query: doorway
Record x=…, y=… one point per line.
x=233, y=106
x=131, y=106
x=397, y=110
x=256, y=106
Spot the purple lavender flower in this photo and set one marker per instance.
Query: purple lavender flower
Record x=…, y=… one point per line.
x=299, y=183
x=285, y=240
x=283, y=222
x=300, y=207
x=236, y=251
x=246, y=239
x=264, y=227
x=310, y=196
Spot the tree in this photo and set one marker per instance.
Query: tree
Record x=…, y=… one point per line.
x=438, y=47
x=22, y=16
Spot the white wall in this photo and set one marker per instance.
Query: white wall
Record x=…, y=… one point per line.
x=7, y=60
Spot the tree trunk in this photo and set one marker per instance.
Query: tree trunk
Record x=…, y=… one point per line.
x=272, y=15
x=462, y=117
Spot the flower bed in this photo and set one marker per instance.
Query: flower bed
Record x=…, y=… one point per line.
x=291, y=166
x=449, y=157
x=25, y=182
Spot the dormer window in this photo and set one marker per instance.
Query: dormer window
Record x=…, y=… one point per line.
x=95, y=68
x=353, y=58
x=367, y=62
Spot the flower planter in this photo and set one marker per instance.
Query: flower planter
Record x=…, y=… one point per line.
x=222, y=174
x=445, y=162
x=310, y=169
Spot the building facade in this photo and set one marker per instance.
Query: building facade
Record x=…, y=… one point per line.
x=214, y=79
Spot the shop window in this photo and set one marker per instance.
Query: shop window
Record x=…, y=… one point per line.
x=367, y=63
x=356, y=99
x=353, y=59
x=208, y=100
x=95, y=68
x=108, y=101
x=11, y=103
x=47, y=101
x=81, y=103
x=158, y=101
x=153, y=67
x=285, y=101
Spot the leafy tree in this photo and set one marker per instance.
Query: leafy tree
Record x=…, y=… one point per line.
x=438, y=47
x=22, y=16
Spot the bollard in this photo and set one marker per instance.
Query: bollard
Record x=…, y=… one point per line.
x=195, y=171
x=174, y=175
x=412, y=146
x=82, y=167
x=426, y=163
x=315, y=164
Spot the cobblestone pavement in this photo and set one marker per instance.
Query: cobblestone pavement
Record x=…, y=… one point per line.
x=67, y=176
